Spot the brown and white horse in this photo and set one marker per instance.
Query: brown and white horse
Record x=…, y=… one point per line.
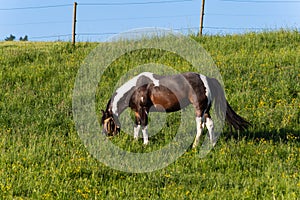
x=169, y=94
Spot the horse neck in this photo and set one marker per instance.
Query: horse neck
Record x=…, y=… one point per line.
x=118, y=106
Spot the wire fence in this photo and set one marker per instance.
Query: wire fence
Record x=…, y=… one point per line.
x=207, y=28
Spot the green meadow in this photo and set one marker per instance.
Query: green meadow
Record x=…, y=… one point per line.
x=42, y=156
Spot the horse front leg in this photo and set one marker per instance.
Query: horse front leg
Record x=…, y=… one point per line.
x=145, y=135
x=136, y=130
x=144, y=123
x=137, y=126
x=141, y=120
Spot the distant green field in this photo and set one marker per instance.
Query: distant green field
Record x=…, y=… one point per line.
x=42, y=156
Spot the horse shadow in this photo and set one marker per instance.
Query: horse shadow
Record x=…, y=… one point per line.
x=275, y=135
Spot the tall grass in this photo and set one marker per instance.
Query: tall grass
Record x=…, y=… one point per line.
x=43, y=158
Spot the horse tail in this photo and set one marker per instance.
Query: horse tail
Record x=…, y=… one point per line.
x=218, y=97
x=223, y=109
x=238, y=122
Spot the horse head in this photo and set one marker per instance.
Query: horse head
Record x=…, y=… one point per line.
x=110, y=124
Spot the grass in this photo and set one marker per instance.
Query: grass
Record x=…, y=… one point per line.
x=42, y=156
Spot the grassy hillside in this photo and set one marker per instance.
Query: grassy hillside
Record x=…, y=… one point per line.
x=42, y=156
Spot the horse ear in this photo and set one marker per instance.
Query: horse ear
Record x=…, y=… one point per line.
x=102, y=112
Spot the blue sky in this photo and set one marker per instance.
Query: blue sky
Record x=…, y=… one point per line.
x=98, y=22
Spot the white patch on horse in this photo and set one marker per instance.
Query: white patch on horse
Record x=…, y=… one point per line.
x=142, y=99
x=200, y=126
x=155, y=81
x=121, y=91
x=145, y=135
x=151, y=77
x=210, y=127
x=136, y=132
x=207, y=89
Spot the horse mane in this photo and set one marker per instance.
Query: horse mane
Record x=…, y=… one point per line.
x=108, y=106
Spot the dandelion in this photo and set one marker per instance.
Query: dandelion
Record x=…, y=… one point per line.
x=79, y=191
x=86, y=189
x=261, y=103
x=291, y=137
x=167, y=175
x=47, y=195
x=84, y=195
x=263, y=141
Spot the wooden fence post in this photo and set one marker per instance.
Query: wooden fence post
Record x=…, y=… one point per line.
x=201, y=18
x=74, y=23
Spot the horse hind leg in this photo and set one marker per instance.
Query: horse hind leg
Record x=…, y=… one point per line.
x=210, y=127
x=205, y=120
x=200, y=126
